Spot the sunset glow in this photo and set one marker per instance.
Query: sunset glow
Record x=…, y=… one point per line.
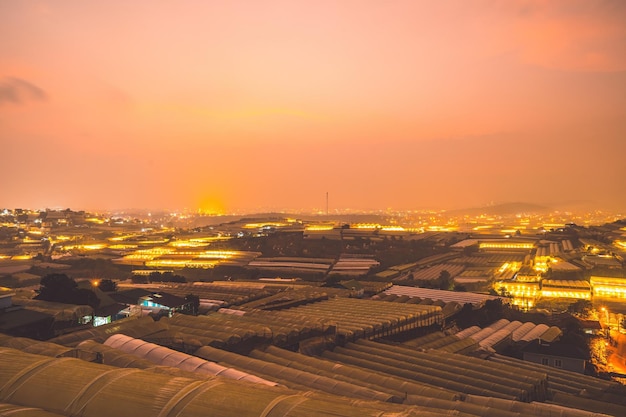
x=216, y=106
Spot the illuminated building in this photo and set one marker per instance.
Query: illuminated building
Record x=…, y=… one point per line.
x=608, y=287
x=505, y=244
x=608, y=261
x=542, y=258
x=528, y=274
x=565, y=289
x=147, y=272
x=524, y=294
x=594, y=247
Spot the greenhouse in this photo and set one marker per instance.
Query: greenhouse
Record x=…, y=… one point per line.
x=161, y=355
x=94, y=390
x=282, y=354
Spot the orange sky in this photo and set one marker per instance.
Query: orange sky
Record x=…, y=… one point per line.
x=270, y=104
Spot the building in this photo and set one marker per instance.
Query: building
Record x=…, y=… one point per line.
x=608, y=287
x=506, y=244
x=18, y=321
x=555, y=288
x=6, y=295
x=557, y=355
x=138, y=300
x=525, y=294
x=592, y=327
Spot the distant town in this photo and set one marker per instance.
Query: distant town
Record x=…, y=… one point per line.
x=481, y=311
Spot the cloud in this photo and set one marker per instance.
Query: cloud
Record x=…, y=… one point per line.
x=18, y=91
x=573, y=35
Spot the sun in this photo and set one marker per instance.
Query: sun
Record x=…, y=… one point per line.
x=211, y=205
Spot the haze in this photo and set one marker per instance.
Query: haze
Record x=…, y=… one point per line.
x=241, y=105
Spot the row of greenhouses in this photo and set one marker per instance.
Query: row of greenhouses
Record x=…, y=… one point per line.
x=448, y=309
x=445, y=296
x=506, y=332
x=356, y=318
x=372, y=375
x=496, y=336
x=254, y=326
x=71, y=387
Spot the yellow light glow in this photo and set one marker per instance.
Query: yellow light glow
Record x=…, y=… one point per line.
x=217, y=254
x=140, y=256
x=151, y=242
x=393, y=229
x=187, y=244
x=506, y=245
x=266, y=224
x=314, y=228
x=482, y=227
x=29, y=240
x=122, y=247
x=434, y=228
x=365, y=226
x=211, y=206
x=95, y=246
x=122, y=238
x=180, y=263
x=582, y=294
x=525, y=303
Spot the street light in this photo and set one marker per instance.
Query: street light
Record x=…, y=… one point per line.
x=606, y=313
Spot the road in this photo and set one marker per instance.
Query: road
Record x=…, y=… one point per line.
x=617, y=357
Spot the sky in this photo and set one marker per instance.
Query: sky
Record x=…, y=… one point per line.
x=233, y=105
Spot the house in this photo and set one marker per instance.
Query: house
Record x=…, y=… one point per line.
x=106, y=309
x=20, y=322
x=557, y=355
x=592, y=327
x=154, y=302
x=6, y=295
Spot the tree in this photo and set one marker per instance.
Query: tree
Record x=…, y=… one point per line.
x=460, y=288
x=60, y=288
x=466, y=317
x=444, y=281
x=108, y=285
x=580, y=307
x=492, y=311
x=57, y=288
x=140, y=279
x=332, y=280
x=502, y=292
